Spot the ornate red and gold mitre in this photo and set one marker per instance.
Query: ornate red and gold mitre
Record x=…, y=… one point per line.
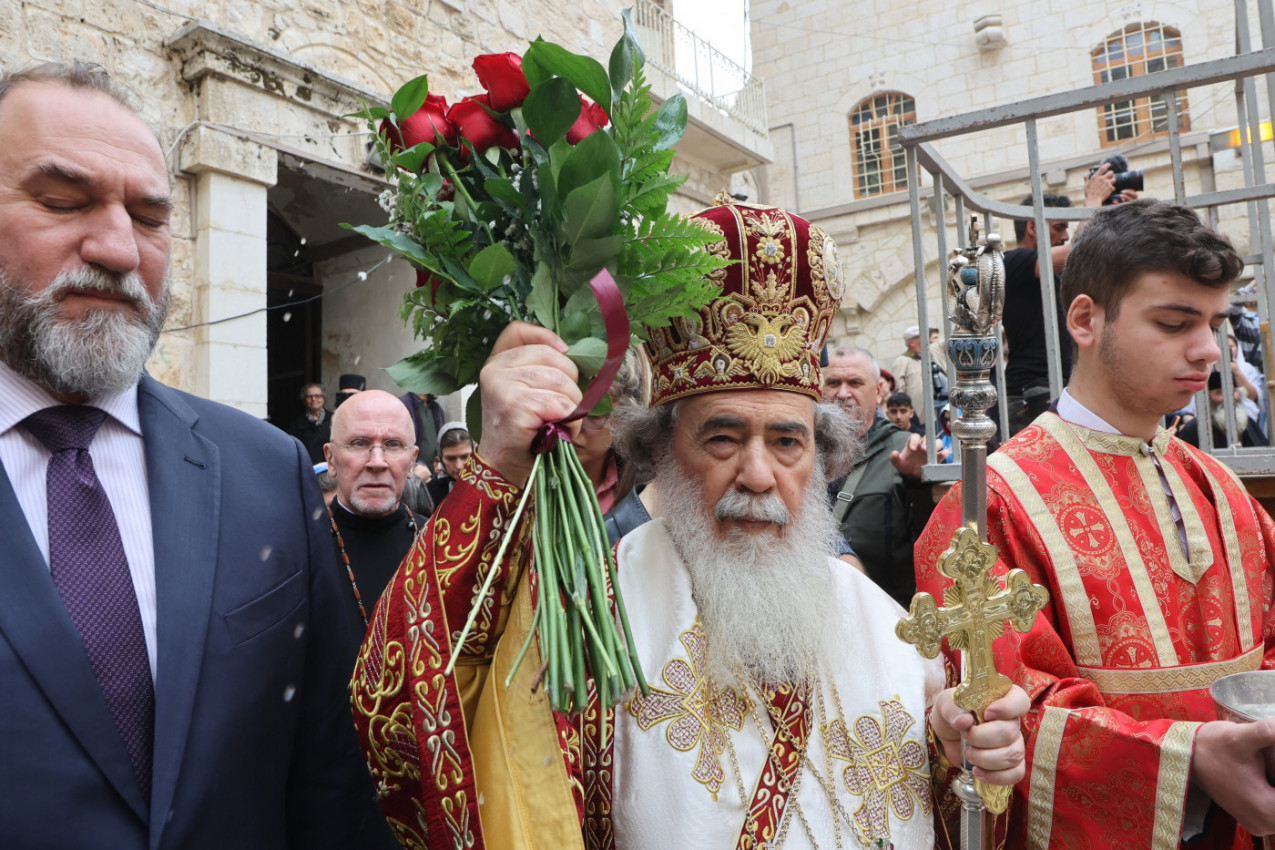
x=768, y=325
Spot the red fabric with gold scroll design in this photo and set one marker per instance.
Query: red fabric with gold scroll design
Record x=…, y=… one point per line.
x=411, y=717
x=1112, y=770
x=407, y=711
x=790, y=718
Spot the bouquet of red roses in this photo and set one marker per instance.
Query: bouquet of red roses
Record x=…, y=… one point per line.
x=544, y=199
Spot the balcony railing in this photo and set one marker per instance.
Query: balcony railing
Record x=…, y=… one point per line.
x=699, y=67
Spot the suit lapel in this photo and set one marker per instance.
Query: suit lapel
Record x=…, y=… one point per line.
x=184, y=476
x=35, y=623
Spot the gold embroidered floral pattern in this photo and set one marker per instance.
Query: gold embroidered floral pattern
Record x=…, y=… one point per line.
x=769, y=230
x=769, y=250
x=779, y=295
x=886, y=769
x=698, y=716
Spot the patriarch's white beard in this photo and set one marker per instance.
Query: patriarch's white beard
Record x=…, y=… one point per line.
x=767, y=602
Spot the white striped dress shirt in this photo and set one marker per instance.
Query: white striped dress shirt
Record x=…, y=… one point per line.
x=120, y=462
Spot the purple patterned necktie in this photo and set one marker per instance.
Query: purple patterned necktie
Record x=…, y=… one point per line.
x=86, y=557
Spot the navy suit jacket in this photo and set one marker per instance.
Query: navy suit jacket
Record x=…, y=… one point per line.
x=254, y=744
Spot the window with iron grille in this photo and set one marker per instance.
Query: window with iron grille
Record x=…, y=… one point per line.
x=879, y=164
x=1141, y=48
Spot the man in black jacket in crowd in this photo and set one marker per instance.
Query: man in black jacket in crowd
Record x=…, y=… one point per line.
x=879, y=508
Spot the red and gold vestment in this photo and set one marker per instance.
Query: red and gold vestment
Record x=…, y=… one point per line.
x=1144, y=615
x=463, y=761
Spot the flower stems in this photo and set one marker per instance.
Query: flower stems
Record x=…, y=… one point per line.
x=580, y=642
x=491, y=574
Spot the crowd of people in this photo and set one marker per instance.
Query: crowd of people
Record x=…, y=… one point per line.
x=195, y=644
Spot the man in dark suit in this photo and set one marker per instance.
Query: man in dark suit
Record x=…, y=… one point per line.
x=173, y=654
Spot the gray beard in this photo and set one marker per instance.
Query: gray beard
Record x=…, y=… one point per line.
x=1241, y=419
x=766, y=602
x=365, y=507
x=101, y=354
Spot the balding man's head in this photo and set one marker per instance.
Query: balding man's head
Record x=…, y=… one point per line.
x=371, y=452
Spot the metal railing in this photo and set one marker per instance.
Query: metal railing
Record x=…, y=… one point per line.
x=702, y=69
x=1241, y=70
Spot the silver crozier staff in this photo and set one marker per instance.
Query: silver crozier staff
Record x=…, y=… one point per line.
x=976, y=606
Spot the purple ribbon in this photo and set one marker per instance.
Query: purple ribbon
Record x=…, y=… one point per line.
x=617, y=326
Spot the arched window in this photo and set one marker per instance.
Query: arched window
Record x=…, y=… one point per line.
x=1141, y=48
x=879, y=164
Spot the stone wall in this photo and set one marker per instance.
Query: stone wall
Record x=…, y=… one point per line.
x=273, y=87
x=819, y=62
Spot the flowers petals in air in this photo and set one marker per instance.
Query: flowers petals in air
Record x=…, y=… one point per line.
x=501, y=75
x=480, y=127
x=428, y=124
x=592, y=118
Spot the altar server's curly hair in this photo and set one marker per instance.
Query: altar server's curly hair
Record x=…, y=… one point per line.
x=1129, y=239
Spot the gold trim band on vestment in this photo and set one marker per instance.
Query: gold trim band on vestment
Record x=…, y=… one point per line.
x=1170, y=795
x=1165, y=680
x=1189, y=553
x=1114, y=511
x=1075, y=599
x=1248, y=636
x=1044, y=776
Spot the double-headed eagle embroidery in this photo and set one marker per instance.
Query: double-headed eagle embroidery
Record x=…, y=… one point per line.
x=770, y=344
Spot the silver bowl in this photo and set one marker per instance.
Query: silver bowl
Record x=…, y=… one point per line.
x=1245, y=697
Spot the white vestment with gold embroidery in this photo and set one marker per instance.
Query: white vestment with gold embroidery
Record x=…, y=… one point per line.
x=675, y=782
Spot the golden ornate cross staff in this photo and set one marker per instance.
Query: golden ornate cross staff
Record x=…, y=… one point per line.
x=975, y=606
x=973, y=615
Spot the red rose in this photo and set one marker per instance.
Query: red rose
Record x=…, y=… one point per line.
x=392, y=136
x=501, y=75
x=424, y=278
x=428, y=124
x=478, y=126
x=447, y=191
x=592, y=118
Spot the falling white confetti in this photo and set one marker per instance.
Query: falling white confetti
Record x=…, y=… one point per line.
x=291, y=691
x=362, y=275
x=265, y=552
x=299, y=630
x=482, y=798
x=287, y=317
x=357, y=358
x=302, y=240
x=318, y=512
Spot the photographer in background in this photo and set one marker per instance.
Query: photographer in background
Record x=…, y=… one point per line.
x=1127, y=181
x=1026, y=357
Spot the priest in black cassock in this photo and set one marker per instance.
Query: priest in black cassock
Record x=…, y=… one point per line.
x=371, y=454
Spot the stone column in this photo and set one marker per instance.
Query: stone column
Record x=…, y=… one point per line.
x=232, y=176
